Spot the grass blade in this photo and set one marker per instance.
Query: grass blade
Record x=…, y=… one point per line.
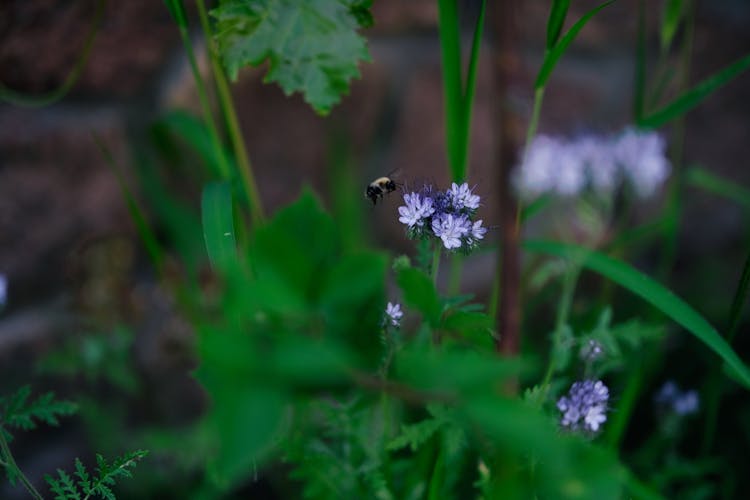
x=218, y=224
x=639, y=85
x=651, y=291
x=153, y=247
x=670, y=22
x=468, y=100
x=450, y=50
x=691, y=98
x=712, y=183
x=553, y=55
x=556, y=20
x=740, y=297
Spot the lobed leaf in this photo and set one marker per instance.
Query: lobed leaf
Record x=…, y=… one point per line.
x=311, y=47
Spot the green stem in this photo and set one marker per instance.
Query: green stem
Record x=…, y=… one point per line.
x=230, y=116
x=534, y=122
x=435, y=263
x=563, y=312
x=203, y=98
x=454, y=283
x=11, y=463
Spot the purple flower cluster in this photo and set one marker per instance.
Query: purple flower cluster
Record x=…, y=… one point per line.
x=393, y=314
x=585, y=406
x=671, y=399
x=446, y=215
x=568, y=167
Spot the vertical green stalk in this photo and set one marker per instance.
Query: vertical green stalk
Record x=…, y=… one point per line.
x=11, y=463
x=454, y=281
x=563, y=313
x=435, y=263
x=674, y=204
x=230, y=116
x=178, y=11
x=534, y=122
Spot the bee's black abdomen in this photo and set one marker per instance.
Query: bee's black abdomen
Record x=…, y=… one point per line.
x=374, y=192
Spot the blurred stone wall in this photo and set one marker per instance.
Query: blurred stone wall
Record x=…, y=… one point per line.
x=57, y=194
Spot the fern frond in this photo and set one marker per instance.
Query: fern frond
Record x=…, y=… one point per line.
x=16, y=410
x=88, y=486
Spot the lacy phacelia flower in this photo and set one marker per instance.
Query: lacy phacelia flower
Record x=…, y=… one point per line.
x=461, y=197
x=451, y=229
x=585, y=406
x=671, y=399
x=447, y=215
x=393, y=314
x=567, y=168
x=416, y=210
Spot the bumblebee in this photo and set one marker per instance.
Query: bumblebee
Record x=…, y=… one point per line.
x=379, y=187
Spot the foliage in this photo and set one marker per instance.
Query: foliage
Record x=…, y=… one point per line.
x=97, y=484
x=311, y=47
x=17, y=411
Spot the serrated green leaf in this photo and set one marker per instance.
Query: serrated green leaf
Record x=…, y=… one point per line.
x=311, y=47
x=218, y=224
x=553, y=55
x=654, y=293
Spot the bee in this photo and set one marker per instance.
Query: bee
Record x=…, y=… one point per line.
x=380, y=186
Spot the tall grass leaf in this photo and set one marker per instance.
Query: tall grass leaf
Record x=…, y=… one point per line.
x=198, y=136
x=218, y=224
x=177, y=9
x=553, y=55
x=469, y=91
x=639, y=85
x=740, y=297
x=708, y=181
x=556, y=20
x=450, y=51
x=654, y=293
x=691, y=98
x=670, y=22
x=147, y=235
x=19, y=99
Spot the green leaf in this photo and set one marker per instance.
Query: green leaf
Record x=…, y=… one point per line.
x=218, y=224
x=555, y=22
x=419, y=292
x=311, y=47
x=16, y=411
x=553, y=55
x=712, y=183
x=654, y=293
x=692, y=97
x=740, y=298
x=673, y=11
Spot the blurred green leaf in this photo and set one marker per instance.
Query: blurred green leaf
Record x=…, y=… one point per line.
x=692, y=97
x=473, y=326
x=419, y=292
x=556, y=20
x=654, y=293
x=554, y=54
x=311, y=47
x=708, y=181
x=218, y=224
x=671, y=16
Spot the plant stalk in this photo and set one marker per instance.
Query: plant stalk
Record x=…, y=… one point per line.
x=235, y=133
x=11, y=462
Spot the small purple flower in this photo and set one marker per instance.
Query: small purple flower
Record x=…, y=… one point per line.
x=393, y=314
x=451, y=229
x=461, y=197
x=672, y=400
x=477, y=233
x=416, y=210
x=591, y=350
x=585, y=406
